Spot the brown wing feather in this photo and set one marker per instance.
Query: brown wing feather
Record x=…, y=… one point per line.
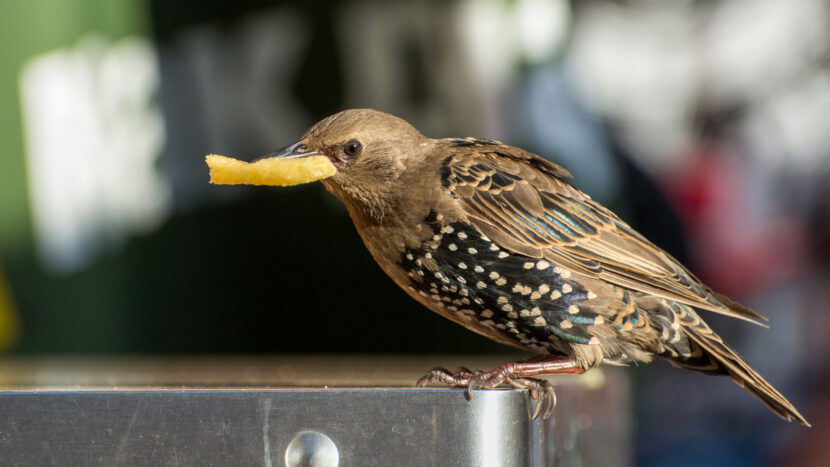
x=521, y=202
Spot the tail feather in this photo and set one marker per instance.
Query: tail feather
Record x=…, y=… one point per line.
x=742, y=310
x=714, y=356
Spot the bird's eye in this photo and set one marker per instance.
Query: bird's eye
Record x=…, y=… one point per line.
x=352, y=148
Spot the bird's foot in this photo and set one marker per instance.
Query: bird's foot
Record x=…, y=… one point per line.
x=515, y=374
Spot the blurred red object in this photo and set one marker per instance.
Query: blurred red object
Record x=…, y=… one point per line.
x=737, y=247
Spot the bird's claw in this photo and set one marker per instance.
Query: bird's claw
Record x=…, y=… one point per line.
x=541, y=391
x=538, y=389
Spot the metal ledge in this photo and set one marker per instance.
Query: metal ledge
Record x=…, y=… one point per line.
x=229, y=411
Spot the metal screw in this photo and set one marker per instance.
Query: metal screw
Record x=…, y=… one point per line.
x=312, y=449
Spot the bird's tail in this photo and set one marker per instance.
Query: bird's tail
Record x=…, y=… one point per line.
x=715, y=357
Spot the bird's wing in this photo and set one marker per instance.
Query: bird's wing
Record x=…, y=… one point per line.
x=521, y=202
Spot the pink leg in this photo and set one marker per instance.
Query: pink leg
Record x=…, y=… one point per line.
x=519, y=374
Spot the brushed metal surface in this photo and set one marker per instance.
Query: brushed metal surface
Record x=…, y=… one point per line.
x=229, y=410
x=254, y=427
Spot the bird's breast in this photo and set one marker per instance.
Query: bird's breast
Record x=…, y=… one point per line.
x=462, y=275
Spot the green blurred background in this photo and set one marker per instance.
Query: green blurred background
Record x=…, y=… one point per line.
x=237, y=270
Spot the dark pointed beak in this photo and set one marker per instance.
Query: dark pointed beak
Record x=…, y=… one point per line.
x=292, y=151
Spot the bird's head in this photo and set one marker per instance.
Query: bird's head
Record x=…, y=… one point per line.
x=370, y=151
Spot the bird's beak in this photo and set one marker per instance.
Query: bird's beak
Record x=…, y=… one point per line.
x=292, y=165
x=292, y=151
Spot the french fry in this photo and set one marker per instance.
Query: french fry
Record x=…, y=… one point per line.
x=272, y=171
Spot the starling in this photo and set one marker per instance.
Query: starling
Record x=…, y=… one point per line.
x=495, y=239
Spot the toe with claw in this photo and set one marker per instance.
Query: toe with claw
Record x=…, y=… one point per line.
x=515, y=374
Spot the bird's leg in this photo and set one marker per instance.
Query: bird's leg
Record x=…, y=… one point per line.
x=521, y=369
x=518, y=374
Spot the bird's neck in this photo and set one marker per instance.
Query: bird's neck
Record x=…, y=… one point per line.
x=366, y=205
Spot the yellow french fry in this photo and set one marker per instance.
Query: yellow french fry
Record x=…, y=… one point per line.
x=272, y=171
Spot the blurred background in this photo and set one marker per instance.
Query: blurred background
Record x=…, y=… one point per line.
x=705, y=124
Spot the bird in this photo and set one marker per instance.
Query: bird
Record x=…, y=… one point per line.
x=496, y=239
